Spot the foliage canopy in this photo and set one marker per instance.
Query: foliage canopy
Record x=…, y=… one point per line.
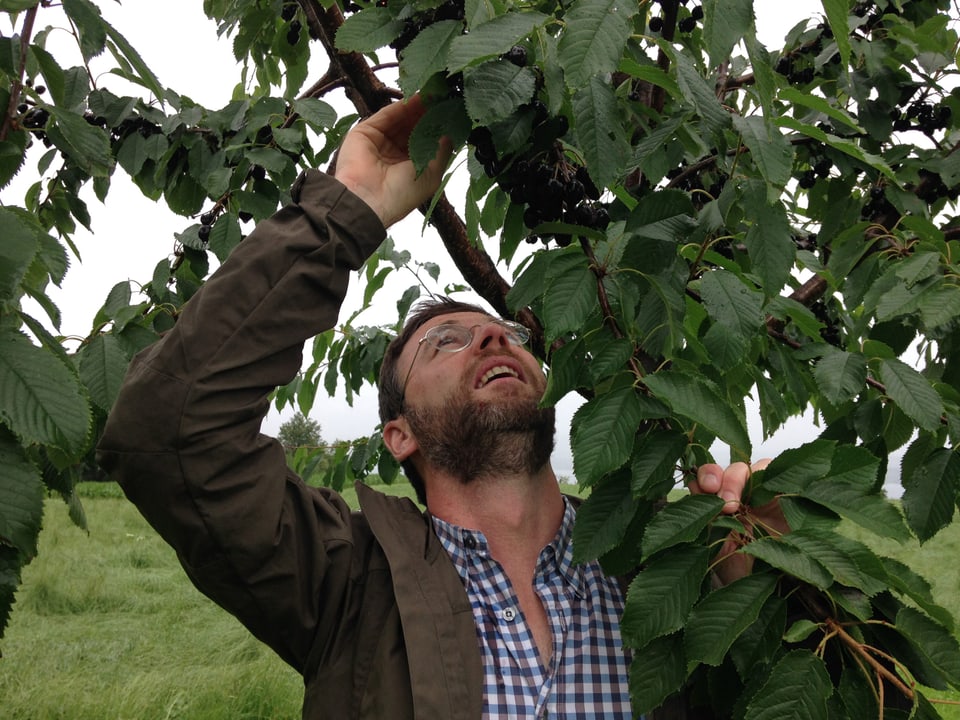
x=711, y=219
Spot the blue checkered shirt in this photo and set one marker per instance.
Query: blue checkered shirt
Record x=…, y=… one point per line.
x=588, y=674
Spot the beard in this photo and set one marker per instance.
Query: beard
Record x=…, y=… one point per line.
x=471, y=440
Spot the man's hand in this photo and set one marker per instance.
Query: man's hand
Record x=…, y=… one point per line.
x=374, y=162
x=729, y=484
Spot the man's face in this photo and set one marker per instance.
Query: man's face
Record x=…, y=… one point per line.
x=489, y=370
x=476, y=412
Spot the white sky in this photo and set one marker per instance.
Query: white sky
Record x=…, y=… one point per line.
x=132, y=233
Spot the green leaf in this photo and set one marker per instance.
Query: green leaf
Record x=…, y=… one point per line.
x=599, y=130
x=732, y=303
x=904, y=580
x=21, y=498
x=426, y=54
x=797, y=688
x=845, y=146
x=696, y=90
x=793, y=96
x=655, y=461
x=127, y=52
x=495, y=89
x=594, y=37
x=368, y=30
x=693, y=397
x=791, y=560
x=492, y=38
x=90, y=26
x=838, y=13
x=680, y=522
x=603, y=518
x=719, y=619
x=769, y=149
x=603, y=434
x=662, y=594
x=840, y=375
x=40, y=399
x=912, y=393
x=86, y=145
x=833, y=552
x=796, y=468
x=929, y=493
x=569, y=301
x=445, y=119
x=657, y=672
x=17, y=251
x=933, y=641
x=102, y=368
x=16, y=5
x=318, y=114
x=863, y=507
x=724, y=24
x=769, y=239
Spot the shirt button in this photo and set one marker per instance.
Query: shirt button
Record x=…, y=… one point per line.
x=508, y=614
x=470, y=542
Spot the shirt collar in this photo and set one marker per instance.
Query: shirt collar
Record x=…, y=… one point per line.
x=464, y=545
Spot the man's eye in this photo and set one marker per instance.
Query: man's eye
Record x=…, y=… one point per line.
x=446, y=339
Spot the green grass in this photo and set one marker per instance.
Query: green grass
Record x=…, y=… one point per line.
x=107, y=626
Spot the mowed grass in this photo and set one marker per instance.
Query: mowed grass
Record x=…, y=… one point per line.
x=107, y=626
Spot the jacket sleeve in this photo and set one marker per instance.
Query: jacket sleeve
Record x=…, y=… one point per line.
x=183, y=438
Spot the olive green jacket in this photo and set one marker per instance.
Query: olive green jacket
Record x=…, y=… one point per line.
x=368, y=607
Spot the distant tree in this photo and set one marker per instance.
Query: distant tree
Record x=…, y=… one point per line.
x=300, y=431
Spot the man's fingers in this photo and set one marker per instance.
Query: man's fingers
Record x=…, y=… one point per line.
x=726, y=483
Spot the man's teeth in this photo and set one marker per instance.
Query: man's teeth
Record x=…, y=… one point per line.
x=496, y=372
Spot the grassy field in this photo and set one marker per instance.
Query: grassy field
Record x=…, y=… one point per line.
x=106, y=626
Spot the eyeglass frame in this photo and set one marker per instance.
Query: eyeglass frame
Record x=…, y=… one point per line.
x=514, y=330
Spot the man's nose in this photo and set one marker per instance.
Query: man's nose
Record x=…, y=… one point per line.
x=492, y=334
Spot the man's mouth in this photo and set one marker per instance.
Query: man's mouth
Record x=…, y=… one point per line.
x=496, y=373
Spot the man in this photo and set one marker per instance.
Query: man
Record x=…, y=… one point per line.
x=472, y=609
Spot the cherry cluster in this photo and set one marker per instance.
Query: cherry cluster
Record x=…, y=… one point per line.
x=923, y=116
x=800, y=64
x=819, y=168
x=550, y=186
x=686, y=24
x=414, y=25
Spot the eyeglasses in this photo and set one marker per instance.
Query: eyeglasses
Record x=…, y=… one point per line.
x=451, y=338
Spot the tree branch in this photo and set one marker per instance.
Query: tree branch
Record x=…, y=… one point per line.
x=17, y=84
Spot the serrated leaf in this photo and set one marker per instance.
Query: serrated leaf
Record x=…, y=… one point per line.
x=793, y=96
x=800, y=631
x=832, y=552
x=655, y=461
x=904, y=580
x=127, y=52
x=21, y=498
x=761, y=642
x=679, y=522
x=838, y=13
x=318, y=114
x=663, y=593
x=912, y=393
x=85, y=144
x=935, y=642
x=769, y=239
x=694, y=398
x=102, y=367
x=719, y=619
x=445, y=119
x=732, y=303
x=599, y=130
x=593, y=40
x=494, y=90
x=791, y=560
x=368, y=30
x=845, y=146
x=840, y=375
x=569, y=301
x=863, y=507
x=796, y=468
x=426, y=54
x=930, y=491
x=697, y=91
x=492, y=38
x=603, y=434
x=724, y=24
x=90, y=26
x=797, y=688
x=603, y=518
x=769, y=149
x=17, y=251
x=40, y=399
x=657, y=672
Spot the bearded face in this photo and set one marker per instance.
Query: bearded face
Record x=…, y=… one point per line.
x=472, y=439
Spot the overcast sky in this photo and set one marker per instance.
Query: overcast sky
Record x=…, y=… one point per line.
x=132, y=233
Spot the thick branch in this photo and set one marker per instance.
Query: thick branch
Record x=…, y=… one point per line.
x=17, y=85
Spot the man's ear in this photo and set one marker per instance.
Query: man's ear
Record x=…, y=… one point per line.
x=399, y=439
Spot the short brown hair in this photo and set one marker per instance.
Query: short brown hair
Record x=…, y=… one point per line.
x=389, y=382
